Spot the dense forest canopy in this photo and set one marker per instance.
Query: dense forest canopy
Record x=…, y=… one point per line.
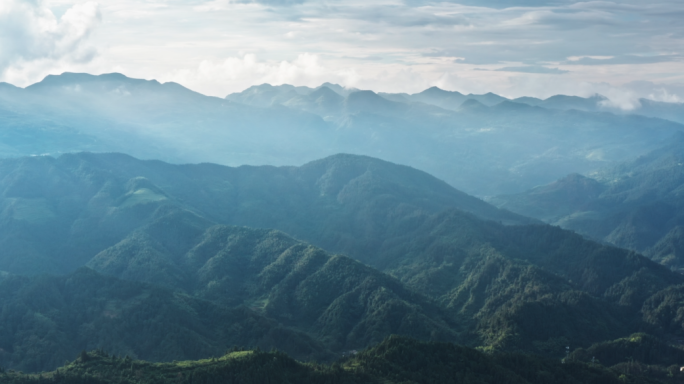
x=169, y=276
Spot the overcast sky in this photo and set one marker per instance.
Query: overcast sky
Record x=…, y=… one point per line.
x=624, y=50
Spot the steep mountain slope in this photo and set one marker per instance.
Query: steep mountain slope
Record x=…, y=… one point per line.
x=636, y=205
x=556, y=200
x=669, y=250
x=46, y=320
x=58, y=213
x=341, y=302
x=527, y=287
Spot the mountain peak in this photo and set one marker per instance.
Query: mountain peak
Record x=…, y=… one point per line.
x=438, y=92
x=533, y=101
x=369, y=101
x=325, y=92
x=340, y=90
x=489, y=99
x=434, y=90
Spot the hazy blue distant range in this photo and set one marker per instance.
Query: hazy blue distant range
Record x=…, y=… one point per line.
x=482, y=144
x=638, y=204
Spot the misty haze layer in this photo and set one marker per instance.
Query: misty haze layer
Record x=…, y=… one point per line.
x=482, y=144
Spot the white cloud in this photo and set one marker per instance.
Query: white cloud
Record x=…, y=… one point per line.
x=237, y=73
x=30, y=33
x=577, y=58
x=222, y=46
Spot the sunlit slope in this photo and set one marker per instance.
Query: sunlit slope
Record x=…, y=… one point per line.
x=395, y=360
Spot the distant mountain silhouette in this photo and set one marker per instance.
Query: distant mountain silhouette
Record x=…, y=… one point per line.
x=486, y=152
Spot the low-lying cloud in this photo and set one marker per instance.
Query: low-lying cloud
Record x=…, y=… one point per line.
x=533, y=69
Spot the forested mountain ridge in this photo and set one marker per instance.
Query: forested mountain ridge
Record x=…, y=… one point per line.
x=395, y=360
x=498, y=147
x=534, y=304
x=163, y=261
x=46, y=320
x=343, y=303
x=528, y=287
x=636, y=205
x=565, y=289
x=58, y=213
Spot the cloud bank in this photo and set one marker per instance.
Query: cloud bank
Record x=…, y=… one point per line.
x=515, y=48
x=30, y=33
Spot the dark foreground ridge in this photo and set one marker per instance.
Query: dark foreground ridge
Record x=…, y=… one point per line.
x=395, y=360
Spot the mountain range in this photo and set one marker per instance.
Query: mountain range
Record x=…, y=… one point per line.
x=431, y=262
x=131, y=227
x=485, y=145
x=635, y=205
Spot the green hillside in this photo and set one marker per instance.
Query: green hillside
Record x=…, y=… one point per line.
x=341, y=302
x=435, y=263
x=56, y=214
x=395, y=360
x=46, y=320
x=531, y=288
x=637, y=347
